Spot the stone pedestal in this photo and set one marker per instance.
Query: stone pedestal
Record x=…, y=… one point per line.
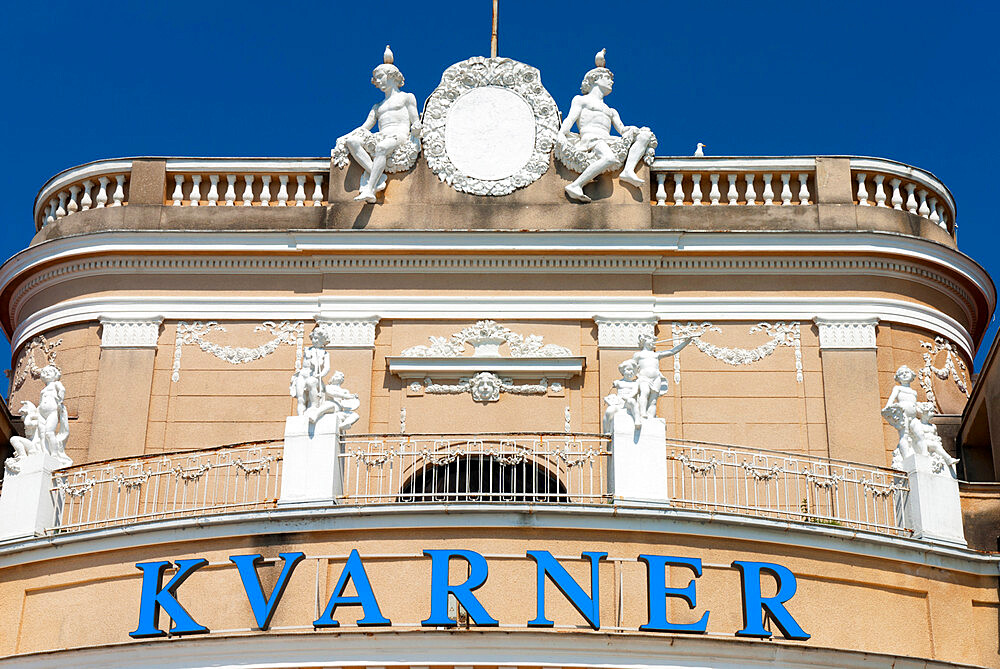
x=27, y=505
x=639, y=459
x=311, y=471
x=933, y=507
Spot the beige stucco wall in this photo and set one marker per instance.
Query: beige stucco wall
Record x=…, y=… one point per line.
x=851, y=601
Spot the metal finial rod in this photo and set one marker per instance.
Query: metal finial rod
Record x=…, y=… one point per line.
x=664, y=341
x=493, y=38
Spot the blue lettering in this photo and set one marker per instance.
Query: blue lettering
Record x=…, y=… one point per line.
x=754, y=603
x=440, y=588
x=589, y=607
x=658, y=593
x=263, y=609
x=354, y=571
x=154, y=598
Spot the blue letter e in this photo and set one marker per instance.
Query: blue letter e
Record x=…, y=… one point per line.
x=154, y=597
x=754, y=603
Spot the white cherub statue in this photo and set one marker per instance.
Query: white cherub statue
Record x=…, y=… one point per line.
x=594, y=151
x=626, y=397
x=652, y=383
x=339, y=401
x=900, y=409
x=396, y=144
x=46, y=426
x=927, y=441
x=307, y=382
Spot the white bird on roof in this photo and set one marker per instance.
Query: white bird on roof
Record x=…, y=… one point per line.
x=699, y=150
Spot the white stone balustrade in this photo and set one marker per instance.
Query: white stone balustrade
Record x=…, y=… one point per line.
x=885, y=184
x=245, y=189
x=93, y=186
x=734, y=181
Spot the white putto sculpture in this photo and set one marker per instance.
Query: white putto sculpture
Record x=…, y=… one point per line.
x=396, y=144
x=912, y=419
x=315, y=397
x=642, y=382
x=594, y=151
x=46, y=426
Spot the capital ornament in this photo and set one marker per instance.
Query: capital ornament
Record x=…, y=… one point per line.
x=846, y=334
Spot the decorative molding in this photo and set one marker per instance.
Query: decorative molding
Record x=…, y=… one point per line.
x=27, y=366
x=485, y=387
x=130, y=332
x=781, y=334
x=486, y=337
x=846, y=334
x=954, y=367
x=481, y=73
x=408, y=368
x=194, y=333
x=550, y=307
x=348, y=332
x=623, y=332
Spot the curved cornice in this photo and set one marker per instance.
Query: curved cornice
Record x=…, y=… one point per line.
x=646, y=252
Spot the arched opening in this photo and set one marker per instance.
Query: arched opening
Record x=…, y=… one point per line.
x=483, y=478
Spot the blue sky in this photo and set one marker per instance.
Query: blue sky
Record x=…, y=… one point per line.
x=915, y=82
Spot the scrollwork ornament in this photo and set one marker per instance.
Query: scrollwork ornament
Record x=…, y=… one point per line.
x=284, y=332
x=953, y=367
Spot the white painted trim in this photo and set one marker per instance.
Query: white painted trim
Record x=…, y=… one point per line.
x=619, y=517
x=375, y=648
x=418, y=368
x=734, y=164
x=460, y=307
x=248, y=165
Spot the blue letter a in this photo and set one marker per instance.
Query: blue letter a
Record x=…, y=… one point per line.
x=589, y=607
x=154, y=597
x=263, y=609
x=354, y=571
x=754, y=602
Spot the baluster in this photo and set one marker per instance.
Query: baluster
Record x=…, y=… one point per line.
x=879, y=191
x=247, y=190
x=61, y=209
x=731, y=192
x=317, y=195
x=300, y=191
x=283, y=190
x=265, y=191
x=51, y=217
x=119, y=195
x=768, y=189
x=194, y=199
x=73, y=207
x=862, y=190
x=102, y=192
x=178, y=194
x=944, y=219
x=678, y=189
x=803, y=188
x=897, y=197
x=934, y=216
x=661, y=191
x=696, y=193
x=85, y=200
x=714, y=193
x=911, y=202
x=751, y=194
x=231, y=190
x=923, y=210
x=786, y=191
x=213, y=190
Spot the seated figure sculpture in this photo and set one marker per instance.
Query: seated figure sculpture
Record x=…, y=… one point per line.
x=396, y=144
x=46, y=426
x=307, y=382
x=338, y=401
x=626, y=397
x=594, y=151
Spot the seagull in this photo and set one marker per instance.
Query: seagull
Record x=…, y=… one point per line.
x=699, y=150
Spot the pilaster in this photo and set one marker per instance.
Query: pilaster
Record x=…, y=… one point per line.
x=124, y=385
x=850, y=390
x=617, y=340
x=351, y=342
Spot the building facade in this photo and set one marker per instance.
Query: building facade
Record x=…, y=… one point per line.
x=661, y=427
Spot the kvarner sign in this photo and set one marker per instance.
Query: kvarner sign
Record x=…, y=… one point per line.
x=157, y=596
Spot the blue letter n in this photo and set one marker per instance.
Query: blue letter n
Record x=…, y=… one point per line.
x=154, y=598
x=589, y=607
